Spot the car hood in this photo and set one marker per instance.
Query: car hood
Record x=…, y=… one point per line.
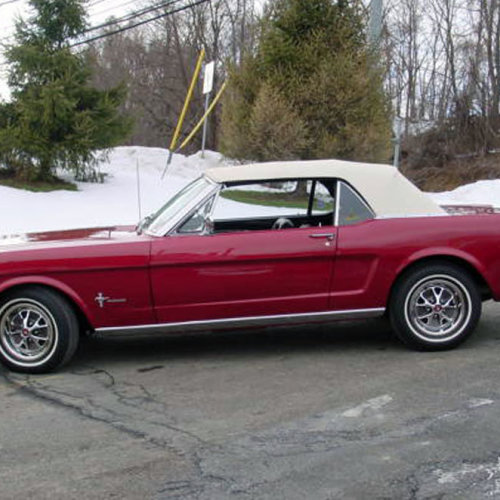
x=66, y=237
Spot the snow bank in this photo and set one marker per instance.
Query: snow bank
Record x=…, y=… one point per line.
x=115, y=201
x=480, y=192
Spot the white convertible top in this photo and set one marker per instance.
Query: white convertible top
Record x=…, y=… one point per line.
x=388, y=192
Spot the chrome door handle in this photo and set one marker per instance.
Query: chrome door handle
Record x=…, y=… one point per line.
x=328, y=236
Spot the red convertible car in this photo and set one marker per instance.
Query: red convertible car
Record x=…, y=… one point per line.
x=266, y=244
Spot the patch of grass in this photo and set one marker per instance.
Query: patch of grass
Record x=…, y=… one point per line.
x=269, y=199
x=36, y=186
x=287, y=200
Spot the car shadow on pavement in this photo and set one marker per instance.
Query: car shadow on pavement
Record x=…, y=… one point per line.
x=339, y=338
x=371, y=335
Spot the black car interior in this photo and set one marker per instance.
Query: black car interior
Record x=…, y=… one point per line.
x=310, y=219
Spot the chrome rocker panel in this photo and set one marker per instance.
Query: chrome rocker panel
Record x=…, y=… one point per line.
x=250, y=321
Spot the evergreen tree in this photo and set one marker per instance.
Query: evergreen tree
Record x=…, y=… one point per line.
x=56, y=119
x=312, y=57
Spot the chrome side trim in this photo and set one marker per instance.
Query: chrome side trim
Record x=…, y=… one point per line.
x=216, y=324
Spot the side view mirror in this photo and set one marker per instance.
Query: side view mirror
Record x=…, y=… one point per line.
x=209, y=226
x=143, y=223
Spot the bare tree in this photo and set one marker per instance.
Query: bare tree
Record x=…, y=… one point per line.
x=443, y=60
x=157, y=63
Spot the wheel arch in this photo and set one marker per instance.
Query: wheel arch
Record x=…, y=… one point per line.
x=460, y=261
x=74, y=300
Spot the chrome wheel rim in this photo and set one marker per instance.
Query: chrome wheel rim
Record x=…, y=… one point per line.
x=438, y=308
x=28, y=332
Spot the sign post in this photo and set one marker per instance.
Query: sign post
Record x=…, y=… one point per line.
x=208, y=85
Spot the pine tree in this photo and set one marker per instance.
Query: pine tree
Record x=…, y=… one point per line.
x=55, y=119
x=314, y=56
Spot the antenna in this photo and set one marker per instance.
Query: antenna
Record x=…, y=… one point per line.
x=138, y=189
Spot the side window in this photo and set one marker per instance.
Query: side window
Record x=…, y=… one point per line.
x=267, y=199
x=352, y=209
x=323, y=201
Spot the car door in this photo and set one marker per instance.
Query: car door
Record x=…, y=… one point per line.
x=357, y=260
x=243, y=273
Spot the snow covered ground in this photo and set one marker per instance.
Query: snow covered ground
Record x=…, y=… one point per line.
x=116, y=201
x=480, y=192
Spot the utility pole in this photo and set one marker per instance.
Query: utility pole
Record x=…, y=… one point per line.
x=374, y=37
x=398, y=133
x=375, y=27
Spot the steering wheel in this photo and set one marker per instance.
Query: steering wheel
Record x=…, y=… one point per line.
x=282, y=223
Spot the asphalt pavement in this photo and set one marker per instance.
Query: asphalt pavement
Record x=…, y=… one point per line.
x=323, y=413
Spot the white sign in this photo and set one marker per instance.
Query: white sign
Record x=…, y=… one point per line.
x=208, y=79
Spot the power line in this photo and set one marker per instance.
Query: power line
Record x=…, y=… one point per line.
x=141, y=23
x=90, y=5
x=120, y=5
x=128, y=17
x=7, y=2
x=131, y=16
x=97, y=2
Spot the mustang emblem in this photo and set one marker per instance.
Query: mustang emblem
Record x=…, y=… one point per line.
x=101, y=300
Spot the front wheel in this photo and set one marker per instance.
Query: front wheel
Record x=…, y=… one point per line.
x=38, y=330
x=435, y=307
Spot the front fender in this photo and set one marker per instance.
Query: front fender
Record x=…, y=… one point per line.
x=51, y=283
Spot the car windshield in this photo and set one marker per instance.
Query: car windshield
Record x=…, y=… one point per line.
x=157, y=223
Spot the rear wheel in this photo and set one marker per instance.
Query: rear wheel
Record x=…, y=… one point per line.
x=435, y=307
x=38, y=330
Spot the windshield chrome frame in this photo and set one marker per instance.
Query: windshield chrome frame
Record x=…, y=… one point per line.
x=188, y=209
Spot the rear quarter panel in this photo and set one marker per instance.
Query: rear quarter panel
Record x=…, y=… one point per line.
x=372, y=254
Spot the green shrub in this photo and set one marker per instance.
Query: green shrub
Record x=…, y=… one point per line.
x=312, y=90
x=56, y=119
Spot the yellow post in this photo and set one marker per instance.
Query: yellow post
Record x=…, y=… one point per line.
x=189, y=96
x=204, y=117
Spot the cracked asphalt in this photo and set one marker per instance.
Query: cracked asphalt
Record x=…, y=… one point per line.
x=302, y=413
